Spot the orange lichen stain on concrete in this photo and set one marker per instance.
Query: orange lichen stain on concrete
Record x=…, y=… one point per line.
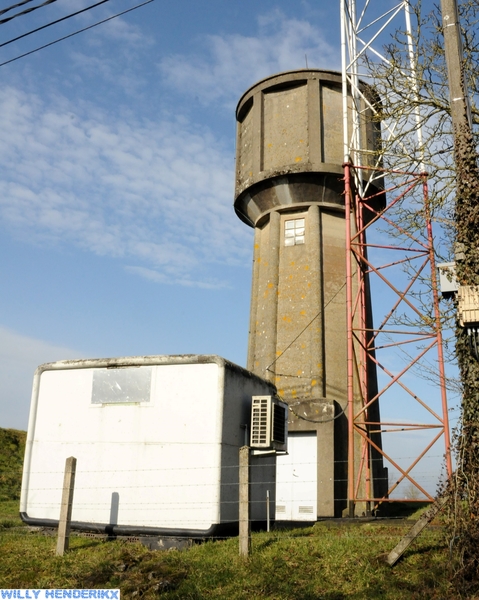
x=309, y=283
x=306, y=267
x=293, y=393
x=281, y=392
x=256, y=363
x=258, y=259
x=287, y=319
x=298, y=159
x=278, y=352
x=319, y=365
x=303, y=346
x=270, y=285
x=256, y=246
x=299, y=372
x=302, y=312
x=313, y=382
x=292, y=263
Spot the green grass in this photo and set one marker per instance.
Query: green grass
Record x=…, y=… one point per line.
x=9, y=514
x=324, y=562
x=319, y=562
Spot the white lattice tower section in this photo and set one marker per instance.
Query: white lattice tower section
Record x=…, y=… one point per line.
x=364, y=30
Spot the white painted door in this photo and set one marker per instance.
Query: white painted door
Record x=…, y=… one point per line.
x=296, y=479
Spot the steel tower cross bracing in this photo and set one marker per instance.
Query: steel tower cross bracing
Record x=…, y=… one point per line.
x=364, y=24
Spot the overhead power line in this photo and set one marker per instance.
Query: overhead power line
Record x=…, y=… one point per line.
x=78, y=12
x=75, y=33
x=26, y=11
x=5, y=10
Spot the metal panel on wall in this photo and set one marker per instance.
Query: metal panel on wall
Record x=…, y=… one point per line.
x=296, y=479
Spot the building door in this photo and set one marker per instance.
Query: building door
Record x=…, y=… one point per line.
x=296, y=479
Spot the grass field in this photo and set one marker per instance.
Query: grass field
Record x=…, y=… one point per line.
x=325, y=561
x=328, y=561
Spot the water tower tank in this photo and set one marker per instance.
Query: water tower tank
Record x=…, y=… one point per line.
x=290, y=189
x=290, y=133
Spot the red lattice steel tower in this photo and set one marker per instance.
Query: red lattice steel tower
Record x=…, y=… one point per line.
x=405, y=328
x=396, y=268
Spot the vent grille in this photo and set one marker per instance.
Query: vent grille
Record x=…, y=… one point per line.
x=305, y=510
x=269, y=422
x=260, y=421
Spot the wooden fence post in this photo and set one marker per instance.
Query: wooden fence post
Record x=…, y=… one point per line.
x=244, y=505
x=66, y=506
x=420, y=524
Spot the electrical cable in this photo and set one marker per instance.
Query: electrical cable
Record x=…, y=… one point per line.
x=474, y=337
x=75, y=33
x=26, y=11
x=301, y=332
x=78, y=12
x=328, y=420
x=5, y=10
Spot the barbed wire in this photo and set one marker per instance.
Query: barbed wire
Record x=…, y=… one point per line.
x=352, y=529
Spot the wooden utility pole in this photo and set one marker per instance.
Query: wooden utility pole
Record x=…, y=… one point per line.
x=458, y=94
x=464, y=526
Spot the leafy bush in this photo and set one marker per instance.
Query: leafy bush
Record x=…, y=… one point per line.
x=12, y=449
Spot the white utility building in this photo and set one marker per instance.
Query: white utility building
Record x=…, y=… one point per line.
x=156, y=440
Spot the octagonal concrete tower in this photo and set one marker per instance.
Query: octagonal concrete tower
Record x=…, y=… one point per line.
x=289, y=188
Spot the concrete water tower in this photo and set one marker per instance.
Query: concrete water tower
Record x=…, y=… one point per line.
x=289, y=188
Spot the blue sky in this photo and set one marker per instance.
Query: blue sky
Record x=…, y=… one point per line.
x=117, y=228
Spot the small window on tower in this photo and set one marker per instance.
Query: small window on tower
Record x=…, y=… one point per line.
x=294, y=232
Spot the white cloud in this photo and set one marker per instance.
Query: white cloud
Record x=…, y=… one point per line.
x=19, y=357
x=159, y=192
x=117, y=29
x=113, y=53
x=120, y=30
x=234, y=62
x=158, y=277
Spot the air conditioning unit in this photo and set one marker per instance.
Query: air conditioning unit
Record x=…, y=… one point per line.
x=269, y=424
